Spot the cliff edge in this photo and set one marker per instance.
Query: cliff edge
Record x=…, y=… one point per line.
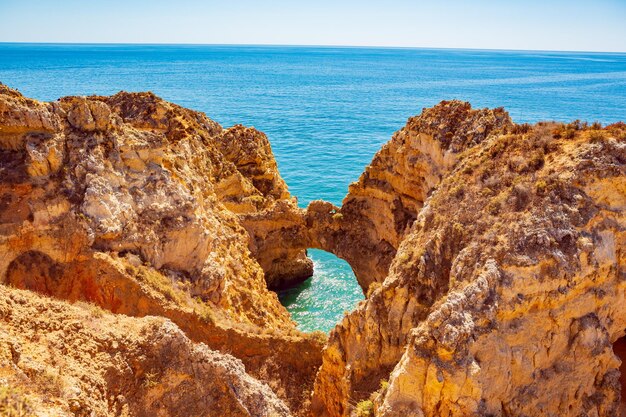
x=490, y=253
x=505, y=295
x=137, y=205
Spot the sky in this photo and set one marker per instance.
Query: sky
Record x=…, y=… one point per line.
x=573, y=25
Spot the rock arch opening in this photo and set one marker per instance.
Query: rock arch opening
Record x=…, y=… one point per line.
x=619, y=348
x=319, y=302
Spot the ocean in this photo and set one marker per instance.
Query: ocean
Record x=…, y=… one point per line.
x=326, y=110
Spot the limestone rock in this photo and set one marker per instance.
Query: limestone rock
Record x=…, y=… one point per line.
x=133, y=174
x=383, y=204
x=368, y=228
x=137, y=205
x=491, y=255
x=88, y=362
x=282, y=257
x=507, y=292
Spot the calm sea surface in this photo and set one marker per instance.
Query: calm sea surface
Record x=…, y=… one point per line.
x=326, y=110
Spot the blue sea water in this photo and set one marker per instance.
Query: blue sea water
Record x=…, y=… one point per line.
x=326, y=110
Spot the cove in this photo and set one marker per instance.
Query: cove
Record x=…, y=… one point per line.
x=326, y=111
x=320, y=302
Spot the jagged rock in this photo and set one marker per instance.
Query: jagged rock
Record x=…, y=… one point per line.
x=284, y=261
x=137, y=205
x=133, y=174
x=87, y=362
x=506, y=293
x=383, y=204
x=380, y=208
x=491, y=255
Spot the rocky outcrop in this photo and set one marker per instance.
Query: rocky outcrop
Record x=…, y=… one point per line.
x=62, y=360
x=142, y=176
x=490, y=253
x=249, y=150
x=382, y=205
x=506, y=293
x=136, y=204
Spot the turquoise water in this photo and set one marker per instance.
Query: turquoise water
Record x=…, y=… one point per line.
x=320, y=302
x=326, y=110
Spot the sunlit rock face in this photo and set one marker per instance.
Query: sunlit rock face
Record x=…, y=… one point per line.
x=505, y=294
x=139, y=206
x=491, y=255
x=135, y=175
x=63, y=360
x=382, y=205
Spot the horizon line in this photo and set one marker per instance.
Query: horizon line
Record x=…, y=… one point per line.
x=312, y=46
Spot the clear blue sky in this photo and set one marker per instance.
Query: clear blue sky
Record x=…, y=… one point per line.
x=586, y=25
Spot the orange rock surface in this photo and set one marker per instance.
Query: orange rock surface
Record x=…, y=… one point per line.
x=491, y=255
x=507, y=292
x=135, y=204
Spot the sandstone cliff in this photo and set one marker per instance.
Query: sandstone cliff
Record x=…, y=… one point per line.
x=490, y=253
x=507, y=292
x=380, y=207
x=383, y=204
x=143, y=178
x=61, y=360
x=137, y=205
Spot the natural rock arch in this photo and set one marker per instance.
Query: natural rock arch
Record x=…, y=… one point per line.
x=534, y=296
x=380, y=208
x=512, y=268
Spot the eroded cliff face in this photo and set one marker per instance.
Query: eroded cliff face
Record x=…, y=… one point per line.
x=136, y=204
x=537, y=292
x=506, y=293
x=249, y=150
x=382, y=205
x=62, y=360
x=490, y=253
x=137, y=176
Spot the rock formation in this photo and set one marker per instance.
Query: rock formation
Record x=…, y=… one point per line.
x=62, y=360
x=250, y=152
x=490, y=253
x=134, y=204
x=507, y=292
x=381, y=206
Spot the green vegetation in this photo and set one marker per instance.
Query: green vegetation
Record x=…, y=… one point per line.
x=150, y=380
x=159, y=282
x=204, y=310
x=596, y=136
x=364, y=408
x=458, y=191
x=384, y=385
x=13, y=403
x=541, y=186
